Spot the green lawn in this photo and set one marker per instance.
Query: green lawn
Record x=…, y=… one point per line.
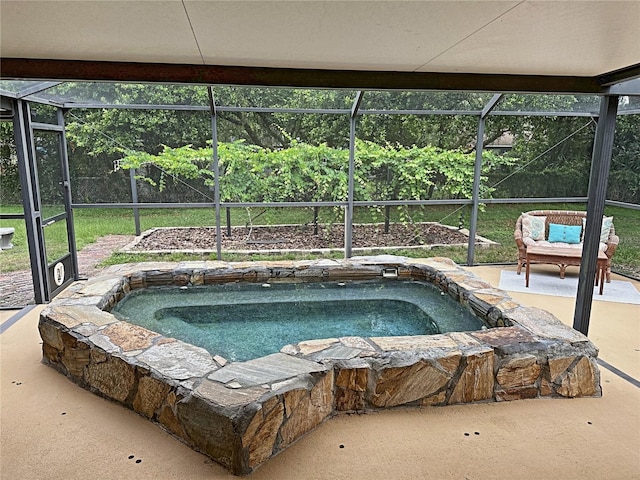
x=496, y=222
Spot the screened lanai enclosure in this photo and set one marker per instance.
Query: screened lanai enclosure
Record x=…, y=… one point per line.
x=324, y=162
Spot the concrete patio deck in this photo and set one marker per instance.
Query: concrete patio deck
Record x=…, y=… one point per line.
x=51, y=428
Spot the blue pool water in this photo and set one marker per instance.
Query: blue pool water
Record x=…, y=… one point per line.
x=241, y=321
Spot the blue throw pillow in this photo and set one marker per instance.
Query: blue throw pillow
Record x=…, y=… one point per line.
x=564, y=233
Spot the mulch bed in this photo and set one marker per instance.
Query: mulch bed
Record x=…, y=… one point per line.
x=299, y=237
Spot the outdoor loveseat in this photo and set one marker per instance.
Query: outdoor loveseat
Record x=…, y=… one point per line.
x=533, y=229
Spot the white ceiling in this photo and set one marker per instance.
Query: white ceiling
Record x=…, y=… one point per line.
x=581, y=38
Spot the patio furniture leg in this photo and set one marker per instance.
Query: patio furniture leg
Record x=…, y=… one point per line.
x=563, y=267
x=519, y=266
x=601, y=273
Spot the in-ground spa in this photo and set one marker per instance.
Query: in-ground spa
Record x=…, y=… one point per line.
x=243, y=320
x=242, y=413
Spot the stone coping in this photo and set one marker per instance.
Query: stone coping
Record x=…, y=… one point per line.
x=132, y=247
x=242, y=413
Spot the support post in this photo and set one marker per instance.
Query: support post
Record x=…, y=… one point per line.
x=477, y=172
x=30, y=201
x=348, y=217
x=216, y=172
x=68, y=200
x=134, y=199
x=600, y=164
x=387, y=214
x=316, y=210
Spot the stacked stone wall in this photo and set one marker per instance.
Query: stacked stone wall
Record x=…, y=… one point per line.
x=241, y=414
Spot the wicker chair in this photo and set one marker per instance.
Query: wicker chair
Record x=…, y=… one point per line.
x=563, y=218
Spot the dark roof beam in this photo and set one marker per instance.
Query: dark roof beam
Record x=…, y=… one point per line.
x=25, y=68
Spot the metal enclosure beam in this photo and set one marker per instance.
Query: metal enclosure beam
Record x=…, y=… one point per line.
x=618, y=76
x=36, y=89
x=477, y=172
x=134, y=199
x=215, y=165
x=68, y=198
x=600, y=163
x=614, y=203
x=6, y=104
x=348, y=217
x=491, y=104
x=356, y=103
x=630, y=87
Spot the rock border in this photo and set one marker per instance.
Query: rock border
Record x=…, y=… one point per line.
x=242, y=413
x=131, y=247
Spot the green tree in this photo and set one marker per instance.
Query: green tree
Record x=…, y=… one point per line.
x=304, y=172
x=9, y=179
x=624, y=176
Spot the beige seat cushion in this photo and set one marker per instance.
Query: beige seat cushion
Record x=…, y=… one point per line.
x=543, y=243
